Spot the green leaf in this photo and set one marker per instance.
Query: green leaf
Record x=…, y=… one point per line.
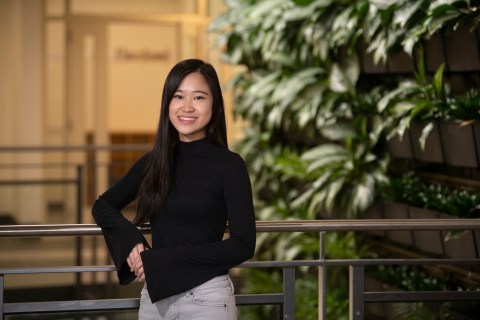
x=436, y=23
x=422, y=106
x=425, y=133
x=405, y=89
x=298, y=202
x=364, y=192
x=262, y=8
x=402, y=107
x=337, y=82
x=297, y=13
x=434, y=5
x=402, y=15
x=383, y=4
x=334, y=188
x=274, y=117
x=455, y=234
x=326, y=160
x=412, y=37
x=259, y=85
x=437, y=81
x=233, y=81
x=352, y=69
x=316, y=201
x=283, y=59
x=323, y=151
x=338, y=131
x=378, y=126
x=319, y=183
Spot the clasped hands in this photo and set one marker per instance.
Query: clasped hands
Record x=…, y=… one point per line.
x=135, y=262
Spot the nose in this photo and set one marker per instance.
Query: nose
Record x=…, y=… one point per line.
x=187, y=105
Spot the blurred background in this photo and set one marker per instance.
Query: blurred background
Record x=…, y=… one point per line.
x=83, y=73
x=364, y=109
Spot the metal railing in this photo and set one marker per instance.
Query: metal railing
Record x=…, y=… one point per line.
x=286, y=300
x=79, y=180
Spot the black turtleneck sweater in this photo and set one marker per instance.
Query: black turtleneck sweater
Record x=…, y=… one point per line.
x=211, y=187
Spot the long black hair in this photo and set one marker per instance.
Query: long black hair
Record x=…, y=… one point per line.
x=158, y=176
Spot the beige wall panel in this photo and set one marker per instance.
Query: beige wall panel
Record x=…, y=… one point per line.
x=109, y=7
x=21, y=120
x=55, y=7
x=9, y=64
x=55, y=77
x=136, y=83
x=9, y=77
x=30, y=113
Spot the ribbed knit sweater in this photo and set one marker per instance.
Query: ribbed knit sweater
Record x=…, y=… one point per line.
x=211, y=187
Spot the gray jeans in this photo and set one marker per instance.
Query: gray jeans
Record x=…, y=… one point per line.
x=213, y=300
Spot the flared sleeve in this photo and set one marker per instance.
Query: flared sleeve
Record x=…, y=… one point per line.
x=121, y=236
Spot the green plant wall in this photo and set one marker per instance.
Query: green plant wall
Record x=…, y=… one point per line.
x=318, y=121
x=303, y=88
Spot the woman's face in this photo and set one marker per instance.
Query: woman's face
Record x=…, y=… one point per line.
x=191, y=107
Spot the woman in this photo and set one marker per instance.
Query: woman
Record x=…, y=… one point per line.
x=187, y=187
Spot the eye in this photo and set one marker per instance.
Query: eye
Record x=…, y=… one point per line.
x=199, y=98
x=177, y=96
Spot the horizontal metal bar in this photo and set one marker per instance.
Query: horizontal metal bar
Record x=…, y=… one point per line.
x=120, y=147
x=53, y=230
x=57, y=165
x=70, y=306
x=36, y=270
x=258, y=299
x=264, y=264
x=409, y=296
x=120, y=304
x=267, y=226
x=358, y=262
x=24, y=182
x=368, y=224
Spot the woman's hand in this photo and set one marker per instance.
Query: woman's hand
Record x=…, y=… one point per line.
x=135, y=263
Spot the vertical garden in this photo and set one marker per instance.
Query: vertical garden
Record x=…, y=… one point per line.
x=359, y=109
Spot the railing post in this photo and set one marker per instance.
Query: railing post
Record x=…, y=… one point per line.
x=79, y=221
x=1, y=296
x=322, y=276
x=289, y=293
x=93, y=167
x=356, y=293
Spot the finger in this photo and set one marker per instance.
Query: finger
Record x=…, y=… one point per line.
x=141, y=274
x=131, y=261
x=137, y=259
x=134, y=252
x=137, y=262
x=140, y=247
x=139, y=271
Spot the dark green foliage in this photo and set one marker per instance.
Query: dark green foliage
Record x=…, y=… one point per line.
x=316, y=124
x=409, y=278
x=410, y=189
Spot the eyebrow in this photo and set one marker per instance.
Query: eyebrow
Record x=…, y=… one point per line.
x=195, y=91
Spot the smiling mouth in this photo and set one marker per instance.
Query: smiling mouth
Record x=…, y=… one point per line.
x=187, y=119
